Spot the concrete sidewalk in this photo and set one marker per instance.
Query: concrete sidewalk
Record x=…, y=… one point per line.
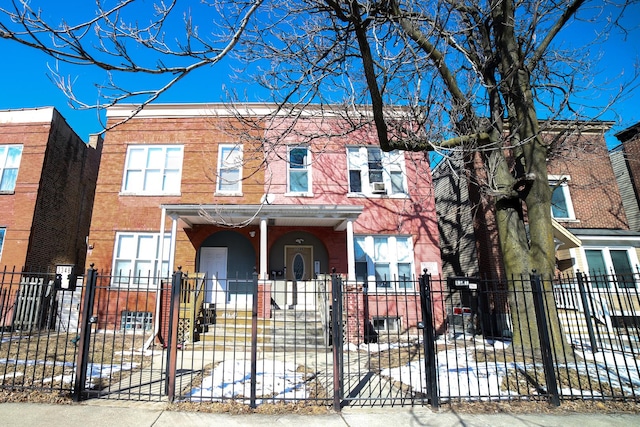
x=125, y=414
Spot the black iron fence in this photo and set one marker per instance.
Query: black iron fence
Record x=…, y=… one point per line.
x=327, y=341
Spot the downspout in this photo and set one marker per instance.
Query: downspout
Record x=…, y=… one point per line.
x=158, y=283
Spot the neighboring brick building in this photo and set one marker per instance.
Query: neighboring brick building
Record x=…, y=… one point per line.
x=195, y=186
x=590, y=224
x=47, y=183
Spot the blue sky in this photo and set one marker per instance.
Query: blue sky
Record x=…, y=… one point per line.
x=24, y=81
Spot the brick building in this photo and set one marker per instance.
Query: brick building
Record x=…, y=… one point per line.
x=47, y=183
x=591, y=229
x=222, y=196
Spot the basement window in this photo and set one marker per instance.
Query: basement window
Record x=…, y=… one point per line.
x=386, y=324
x=136, y=320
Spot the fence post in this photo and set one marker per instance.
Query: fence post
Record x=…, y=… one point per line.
x=254, y=341
x=337, y=340
x=86, y=321
x=172, y=339
x=545, y=342
x=428, y=340
x=587, y=312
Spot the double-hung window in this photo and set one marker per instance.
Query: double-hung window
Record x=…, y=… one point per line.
x=153, y=170
x=2, y=233
x=10, y=156
x=372, y=171
x=299, y=170
x=386, y=261
x=230, y=169
x=137, y=259
x=561, y=206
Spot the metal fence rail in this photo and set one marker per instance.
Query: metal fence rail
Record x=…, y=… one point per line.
x=38, y=332
x=326, y=341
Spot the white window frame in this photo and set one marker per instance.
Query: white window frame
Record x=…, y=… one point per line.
x=560, y=183
x=136, y=255
x=393, y=162
x=306, y=167
x=145, y=171
x=230, y=162
x=385, y=324
x=3, y=235
x=610, y=271
x=395, y=254
x=4, y=165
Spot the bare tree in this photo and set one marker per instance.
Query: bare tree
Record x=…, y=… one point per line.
x=472, y=76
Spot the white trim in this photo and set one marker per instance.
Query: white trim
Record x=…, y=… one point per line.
x=27, y=115
x=560, y=182
x=255, y=109
x=307, y=168
x=351, y=256
x=221, y=162
x=145, y=148
x=263, y=249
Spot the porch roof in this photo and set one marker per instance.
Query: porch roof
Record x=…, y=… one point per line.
x=335, y=216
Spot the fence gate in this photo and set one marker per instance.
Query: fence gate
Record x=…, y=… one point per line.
x=122, y=347
x=384, y=344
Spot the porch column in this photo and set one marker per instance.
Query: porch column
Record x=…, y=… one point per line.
x=264, y=274
x=351, y=256
x=172, y=250
x=162, y=249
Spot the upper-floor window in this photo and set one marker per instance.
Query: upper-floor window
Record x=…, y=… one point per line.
x=372, y=171
x=561, y=206
x=2, y=233
x=10, y=156
x=299, y=170
x=386, y=261
x=230, y=169
x=137, y=258
x=153, y=169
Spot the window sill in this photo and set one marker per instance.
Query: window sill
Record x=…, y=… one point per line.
x=7, y=192
x=149, y=194
x=574, y=220
x=298, y=194
x=378, y=196
x=227, y=194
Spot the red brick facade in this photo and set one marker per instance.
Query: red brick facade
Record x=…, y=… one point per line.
x=48, y=215
x=592, y=183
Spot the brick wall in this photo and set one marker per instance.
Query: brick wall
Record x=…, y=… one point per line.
x=199, y=136
x=48, y=216
x=592, y=185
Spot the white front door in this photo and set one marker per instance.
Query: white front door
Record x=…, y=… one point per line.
x=213, y=261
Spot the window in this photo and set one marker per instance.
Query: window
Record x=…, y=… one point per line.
x=561, y=206
x=10, y=156
x=372, y=171
x=136, y=258
x=230, y=169
x=299, y=170
x=386, y=324
x=385, y=260
x=609, y=265
x=2, y=233
x=153, y=169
